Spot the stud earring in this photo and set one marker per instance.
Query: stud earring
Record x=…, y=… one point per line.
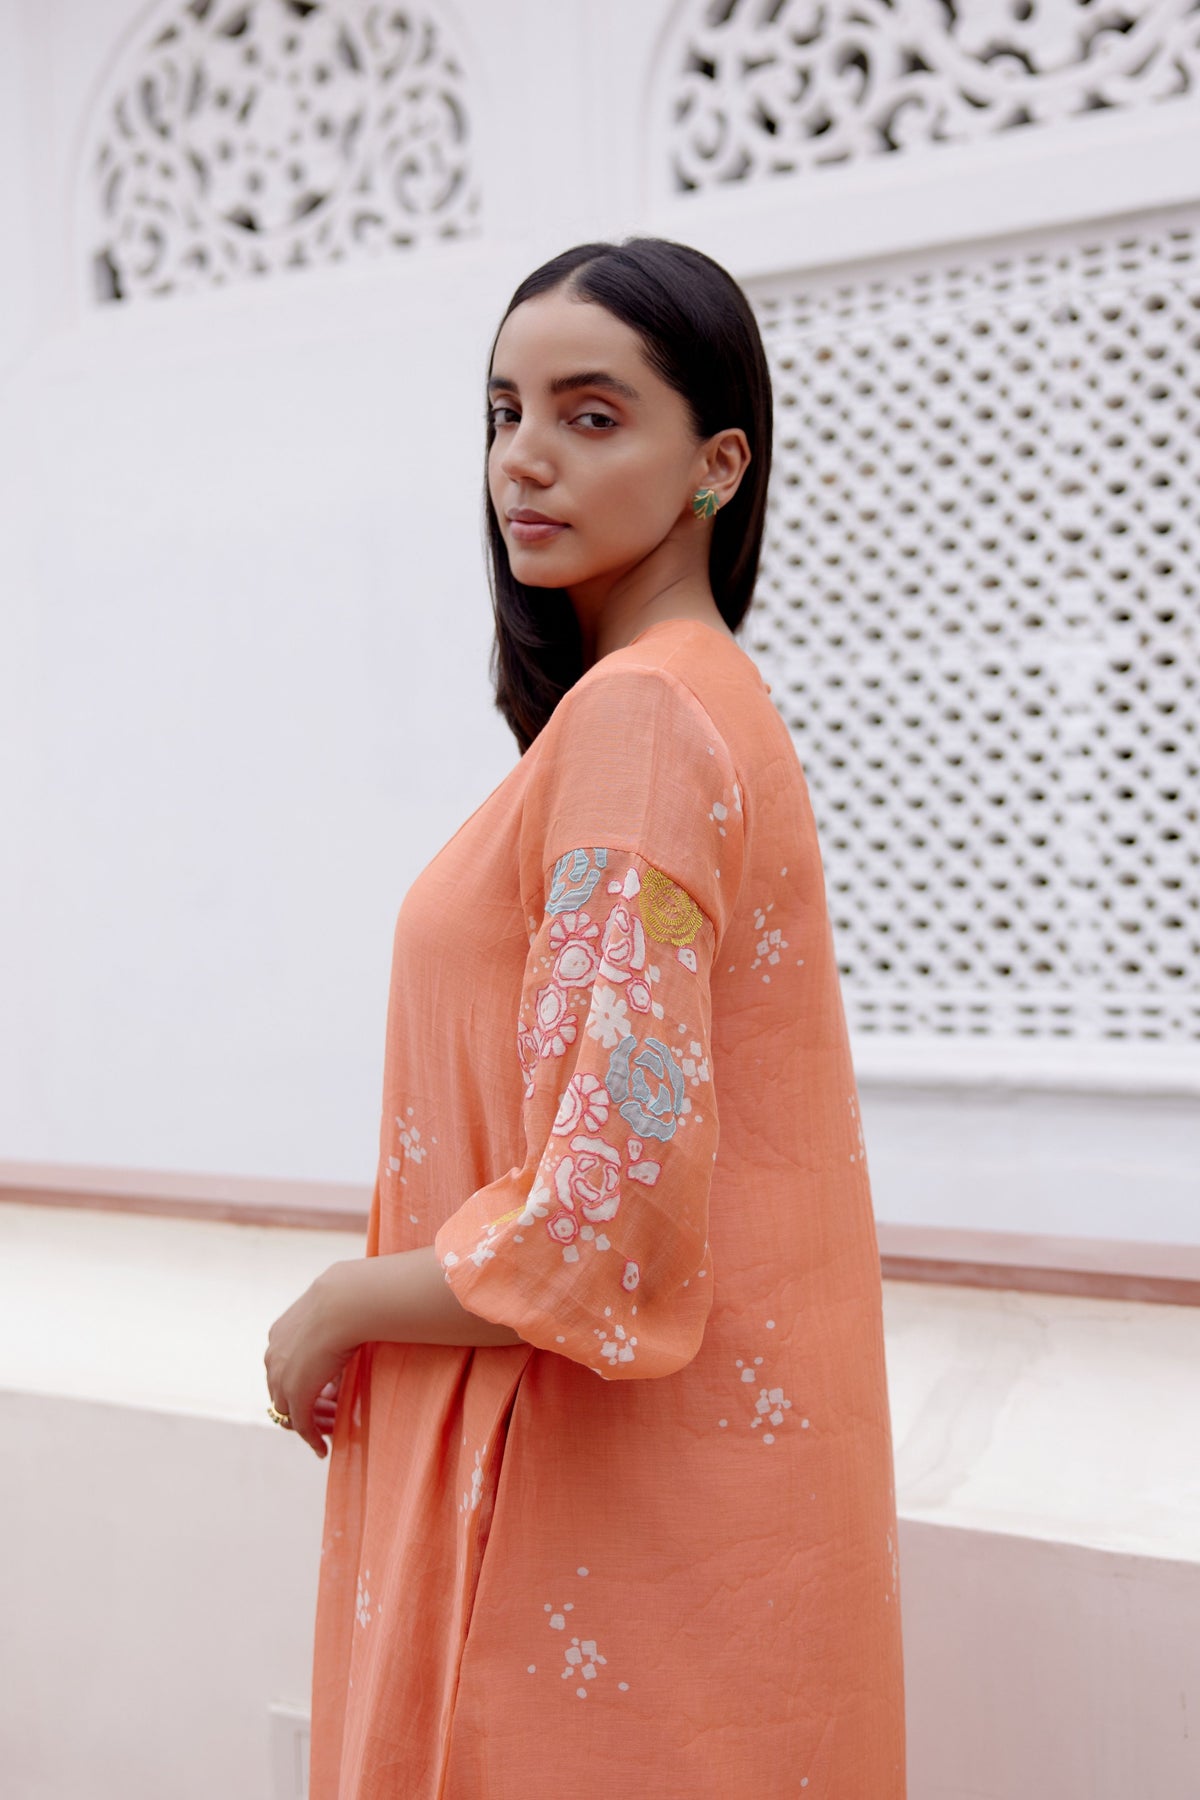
x=704, y=503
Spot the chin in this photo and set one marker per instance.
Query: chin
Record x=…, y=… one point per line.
x=540, y=571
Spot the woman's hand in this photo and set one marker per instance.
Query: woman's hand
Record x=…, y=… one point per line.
x=308, y=1346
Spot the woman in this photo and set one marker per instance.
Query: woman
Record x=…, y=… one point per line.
x=610, y=1504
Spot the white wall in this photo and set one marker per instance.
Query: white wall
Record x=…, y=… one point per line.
x=243, y=684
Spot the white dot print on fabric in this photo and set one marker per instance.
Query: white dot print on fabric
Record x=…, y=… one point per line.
x=582, y=1658
x=770, y=1408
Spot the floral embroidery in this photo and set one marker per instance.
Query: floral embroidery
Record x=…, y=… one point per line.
x=591, y=1179
x=608, y=1020
x=640, y=1170
x=577, y=1189
x=670, y=913
x=585, y=1102
x=624, y=945
x=651, y=1113
x=528, y=1049
x=575, y=957
x=638, y=994
x=556, y=1025
x=574, y=879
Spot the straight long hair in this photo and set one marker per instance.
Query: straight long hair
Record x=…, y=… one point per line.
x=700, y=335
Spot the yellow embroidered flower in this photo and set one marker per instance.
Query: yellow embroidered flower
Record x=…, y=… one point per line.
x=669, y=913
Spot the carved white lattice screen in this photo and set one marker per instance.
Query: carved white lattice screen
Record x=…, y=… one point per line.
x=246, y=137
x=979, y=610
x=765, y=89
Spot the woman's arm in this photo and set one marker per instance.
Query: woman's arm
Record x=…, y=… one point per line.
x=402, y=1298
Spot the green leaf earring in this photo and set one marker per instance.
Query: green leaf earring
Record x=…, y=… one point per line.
x=704, y=503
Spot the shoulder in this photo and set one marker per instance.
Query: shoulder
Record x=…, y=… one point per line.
x=687, y=679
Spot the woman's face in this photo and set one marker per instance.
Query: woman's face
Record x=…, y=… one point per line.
x=588, y=436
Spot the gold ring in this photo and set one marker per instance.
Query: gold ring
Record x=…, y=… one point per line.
x=279, y=1418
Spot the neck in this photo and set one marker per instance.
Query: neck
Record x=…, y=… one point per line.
x=612, y=612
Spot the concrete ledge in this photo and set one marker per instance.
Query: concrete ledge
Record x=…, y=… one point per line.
x=1024, y=1261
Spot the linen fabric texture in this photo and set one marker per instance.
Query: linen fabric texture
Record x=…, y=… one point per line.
x=651, y=1549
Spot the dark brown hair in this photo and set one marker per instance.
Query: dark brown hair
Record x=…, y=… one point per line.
x=700, y=335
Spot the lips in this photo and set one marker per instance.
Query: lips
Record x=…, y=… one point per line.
x=525, y=515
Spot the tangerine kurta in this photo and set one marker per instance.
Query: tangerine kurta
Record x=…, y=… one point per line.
x=651, y=1551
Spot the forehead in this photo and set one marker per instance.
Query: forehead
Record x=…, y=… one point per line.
x=552, y=335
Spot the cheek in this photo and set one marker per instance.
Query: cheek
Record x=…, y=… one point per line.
x=632, y=502
x=495, y=477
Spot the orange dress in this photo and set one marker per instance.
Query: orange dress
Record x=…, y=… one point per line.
x=650, y=1551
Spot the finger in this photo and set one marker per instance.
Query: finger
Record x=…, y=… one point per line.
x=304, y=1426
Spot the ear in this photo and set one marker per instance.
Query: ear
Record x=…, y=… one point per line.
x=725, y=459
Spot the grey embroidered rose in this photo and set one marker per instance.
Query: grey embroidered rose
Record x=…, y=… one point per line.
x=647, y=1086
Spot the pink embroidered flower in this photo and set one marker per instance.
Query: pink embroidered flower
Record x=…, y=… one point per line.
x=527, y=1050
x=563, y=1227
x=640, y=1167
x=638, y=994
x=585, y=1103
x=624, y=945
x=556, y=1026
x=591, y=1179
x=631, y=1277
x=572, y=938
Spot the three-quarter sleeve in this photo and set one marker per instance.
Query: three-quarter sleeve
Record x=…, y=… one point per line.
x=596, y=1247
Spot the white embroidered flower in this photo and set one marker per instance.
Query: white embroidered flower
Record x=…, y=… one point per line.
x=624, y=945
x=608, y=1019
x=556, y=1025
x=590, y=1178
x=573, y=938
x=585, y=1102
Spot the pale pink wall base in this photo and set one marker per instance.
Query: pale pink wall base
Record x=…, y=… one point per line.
x=1046, y=1671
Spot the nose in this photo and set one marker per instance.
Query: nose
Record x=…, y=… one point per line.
x=523, y=454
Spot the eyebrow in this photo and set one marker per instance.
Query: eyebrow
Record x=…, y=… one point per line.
x=566, y=384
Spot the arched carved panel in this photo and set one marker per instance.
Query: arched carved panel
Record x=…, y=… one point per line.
x=755, y=89
x=979, y=610
x=244, y=137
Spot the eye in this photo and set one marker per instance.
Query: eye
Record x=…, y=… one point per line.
x=601, y=418
x=492, y=411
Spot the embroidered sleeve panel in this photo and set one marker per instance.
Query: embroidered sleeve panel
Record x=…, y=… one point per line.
x=597, y=1248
